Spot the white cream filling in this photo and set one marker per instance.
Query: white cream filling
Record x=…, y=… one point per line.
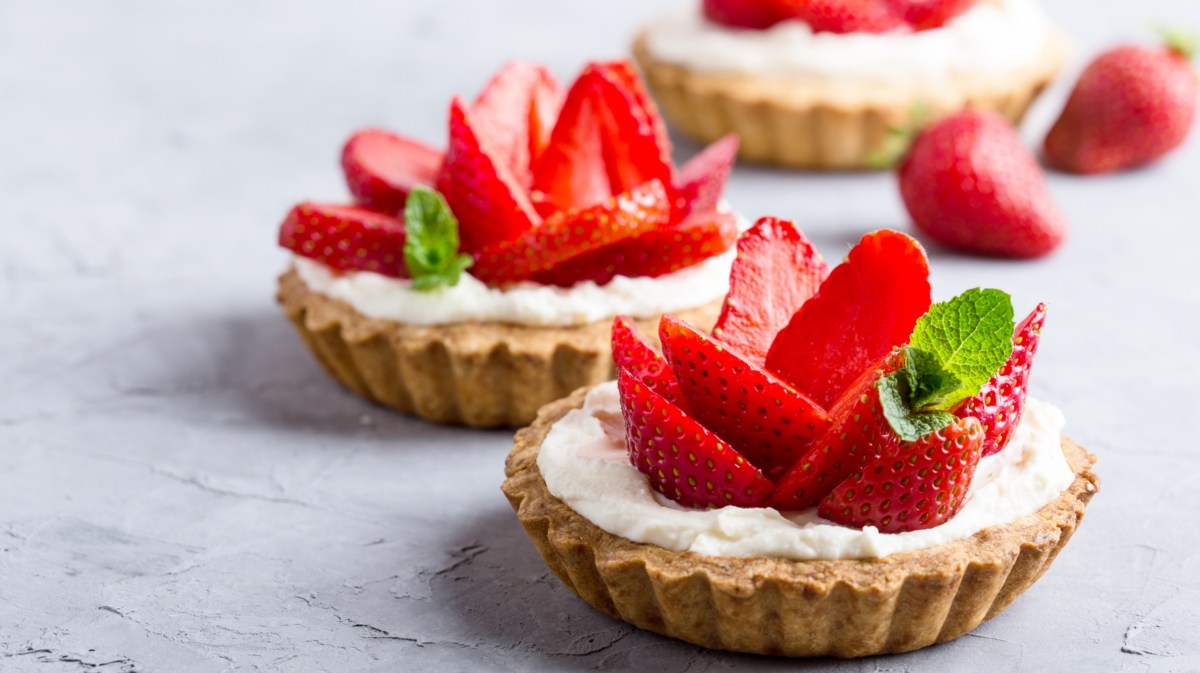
x=387, y=298
x=589, y=470
x=994, y=36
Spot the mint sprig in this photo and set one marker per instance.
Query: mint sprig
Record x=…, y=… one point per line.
x=431, y=242
x=955, y=348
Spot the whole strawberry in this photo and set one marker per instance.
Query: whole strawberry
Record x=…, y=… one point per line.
x=1132, y=105
x=970, y=184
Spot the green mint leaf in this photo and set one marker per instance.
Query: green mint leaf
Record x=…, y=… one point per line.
x=929, y=383
x=970, y=337
x=431, y=242
x=910, y=424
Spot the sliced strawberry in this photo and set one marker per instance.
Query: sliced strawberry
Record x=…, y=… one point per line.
x=926, y=14
x=754, y=14
x=481, y=191
x=868, y=305
x=566, y=235
x=636, y=146
x=682, y=459
x=999, y=404
x=633, y=355
x=571, y=173
x=503, y=112
x=701, y=181
x=346, y=238
x=777, y=269
x=381, y=168
x=860, y=432
x=544, y=106
x=843, y=16
x=765, y=419
x=652, y=254
x=921, y=486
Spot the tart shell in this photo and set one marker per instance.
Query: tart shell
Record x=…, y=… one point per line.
x=839, y=608
x=487, y=374
x=821, y=123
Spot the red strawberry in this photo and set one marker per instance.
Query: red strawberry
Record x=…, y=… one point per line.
x=764, y=418
x=490, y=206
x=637, y=148
x=999, y=404
x=1131, y=105
x=702, y=180
x=566, y=235
x=860, y=432
x=682, y=459
x=382, y=168
x=777, y=269
x=504, y=111
x=571, y=172
x=544, y=107
x=843, y=16
x=921, y=486
x=970, y=184
x=633, y=355
x=925, y=14
x=346, y=238
x=652, y=254
x=756, y=14
x=868, y=305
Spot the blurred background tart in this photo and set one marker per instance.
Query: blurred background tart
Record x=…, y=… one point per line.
x=819, y=83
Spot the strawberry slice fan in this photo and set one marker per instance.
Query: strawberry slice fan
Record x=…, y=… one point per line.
x=546, y=186
x=847, y=390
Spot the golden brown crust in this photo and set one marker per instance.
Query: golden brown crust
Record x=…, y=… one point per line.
x=478, y=374
x=843, y=608
x=825, y=123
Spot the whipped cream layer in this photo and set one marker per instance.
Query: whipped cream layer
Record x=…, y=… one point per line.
x=584, y=464
x=993, y=37
x=387, y=298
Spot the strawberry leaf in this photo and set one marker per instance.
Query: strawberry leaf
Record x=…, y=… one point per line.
x=970, y=337
x=431, y=247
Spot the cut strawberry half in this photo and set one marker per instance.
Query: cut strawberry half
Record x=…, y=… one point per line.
x=633, y=355
x=381, y=168
x=920, y=486
x=926, y=14
x=516, y=97
x=487, y=201
x=753, y=14
x=701, y=181
x=571, y=172
x=868, y=305
x=346, y=238
x=860, y=432
x=777, y=269
x=635, y=142
x=1000, y=402
x=769, y=422
x=844, y=16
x=544, y=107
x=652, y=254
x=682, y=459
x=567, y=235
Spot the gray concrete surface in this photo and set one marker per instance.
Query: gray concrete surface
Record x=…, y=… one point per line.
x=181, y=489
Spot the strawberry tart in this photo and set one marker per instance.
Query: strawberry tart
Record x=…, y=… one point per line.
x=475, y=284
x=841, y=468
x=819, y=83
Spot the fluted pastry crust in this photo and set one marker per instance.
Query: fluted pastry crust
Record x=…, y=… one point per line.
x=482, y=374
x=840, y=608
x=822, y=123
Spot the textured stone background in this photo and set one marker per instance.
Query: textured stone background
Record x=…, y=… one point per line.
x=181, y=489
